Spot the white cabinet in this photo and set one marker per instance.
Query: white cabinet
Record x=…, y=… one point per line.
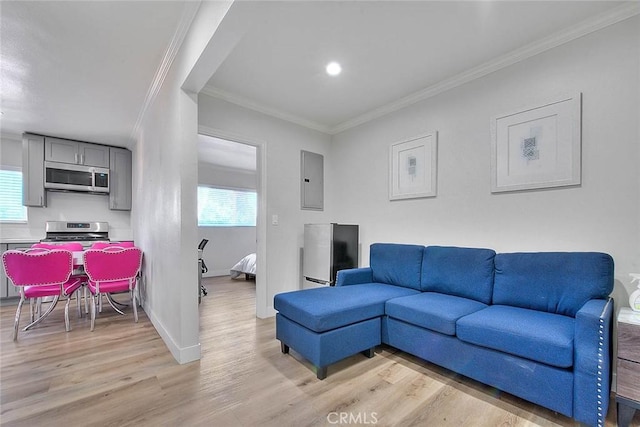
x=120, y=174
x=33, y=193
x=76, y=152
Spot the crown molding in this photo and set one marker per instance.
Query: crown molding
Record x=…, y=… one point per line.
x=230, y=136
x=188, y=14
x=261, y=108
x=611, y=17
x=10, y=135
x=582, y=29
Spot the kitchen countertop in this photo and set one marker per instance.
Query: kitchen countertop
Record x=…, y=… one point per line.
x=20, y=240
x=37, y=239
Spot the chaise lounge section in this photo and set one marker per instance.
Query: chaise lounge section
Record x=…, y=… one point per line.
x=536, y=325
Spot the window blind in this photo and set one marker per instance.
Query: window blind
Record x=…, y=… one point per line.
x=11, y=209
x=219, y=207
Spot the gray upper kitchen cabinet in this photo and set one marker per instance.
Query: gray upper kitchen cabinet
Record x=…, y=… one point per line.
x=76, y=152
x=120, y=174
x=33, y=193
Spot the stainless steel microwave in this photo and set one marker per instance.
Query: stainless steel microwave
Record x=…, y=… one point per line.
x=66, y=176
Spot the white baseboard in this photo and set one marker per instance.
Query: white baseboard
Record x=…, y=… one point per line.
x=181, y=354
x=217, y=273
x=269, y=312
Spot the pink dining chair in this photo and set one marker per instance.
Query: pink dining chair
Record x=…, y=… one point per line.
x=102, y=245
x=78, y=271
x=69, y=246
x=41, y=273
x=112, y=270
x=111, y=244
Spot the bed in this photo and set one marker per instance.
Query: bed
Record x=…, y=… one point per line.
x=246, y=266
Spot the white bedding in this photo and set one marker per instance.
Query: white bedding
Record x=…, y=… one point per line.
x=246, y=265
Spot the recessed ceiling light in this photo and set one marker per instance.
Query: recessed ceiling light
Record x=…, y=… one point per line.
x=333, y=68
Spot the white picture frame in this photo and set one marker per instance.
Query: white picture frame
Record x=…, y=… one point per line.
x=413, y=167
x=537, y=147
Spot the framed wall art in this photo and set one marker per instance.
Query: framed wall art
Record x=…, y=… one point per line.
x=412, y=167
x=537, y=147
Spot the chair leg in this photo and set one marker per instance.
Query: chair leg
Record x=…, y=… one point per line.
x=93, y=310
x=78, y=298
x=46, y=313
x=135, y=306
x=67, y=325
x=86, y=300
x=17, y=319
x=113, y=303
x=118, y=303
x=32, y=312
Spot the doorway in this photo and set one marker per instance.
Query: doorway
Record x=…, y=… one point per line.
x=232, y=157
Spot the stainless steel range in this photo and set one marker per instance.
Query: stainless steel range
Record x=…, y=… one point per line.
x=83, y=232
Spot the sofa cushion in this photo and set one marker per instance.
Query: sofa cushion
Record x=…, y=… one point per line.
x=557, y=282
x=464, y=272
x=396, y=264
x=536, y=335
x=326, y=308
x=438, y=312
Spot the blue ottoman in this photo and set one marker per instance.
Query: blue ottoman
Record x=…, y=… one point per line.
x=328, y=324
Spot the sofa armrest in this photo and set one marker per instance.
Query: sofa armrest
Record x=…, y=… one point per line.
x=354, y=276
x=592, y=361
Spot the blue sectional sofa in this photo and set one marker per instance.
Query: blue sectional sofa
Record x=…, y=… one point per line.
x=536, y=325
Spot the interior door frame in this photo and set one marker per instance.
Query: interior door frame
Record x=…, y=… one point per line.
x=262, y=303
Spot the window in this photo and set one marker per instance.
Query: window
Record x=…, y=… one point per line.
x=218, y=207
x=11, y=209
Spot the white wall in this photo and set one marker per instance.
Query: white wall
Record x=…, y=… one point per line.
x=61, y=206
x=10, y=152
x=224, y=177
x=165, y=186
x=602, y=214
x=227, y=245
x=282, y=144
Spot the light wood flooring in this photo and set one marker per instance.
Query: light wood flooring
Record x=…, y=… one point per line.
x=122, y=374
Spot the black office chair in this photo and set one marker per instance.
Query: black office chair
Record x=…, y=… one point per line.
x=203, y=267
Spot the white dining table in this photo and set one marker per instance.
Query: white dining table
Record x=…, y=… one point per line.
x=78, y=257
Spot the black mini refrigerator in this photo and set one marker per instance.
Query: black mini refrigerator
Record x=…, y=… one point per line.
x=328, y=248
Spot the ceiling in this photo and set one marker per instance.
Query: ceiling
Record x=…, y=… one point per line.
x=389, y=51
x=81, y=69
x=85, y=69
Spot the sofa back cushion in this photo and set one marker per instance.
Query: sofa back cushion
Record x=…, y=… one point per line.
x=463, y=272
x=556, y=282
x=396, y=264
